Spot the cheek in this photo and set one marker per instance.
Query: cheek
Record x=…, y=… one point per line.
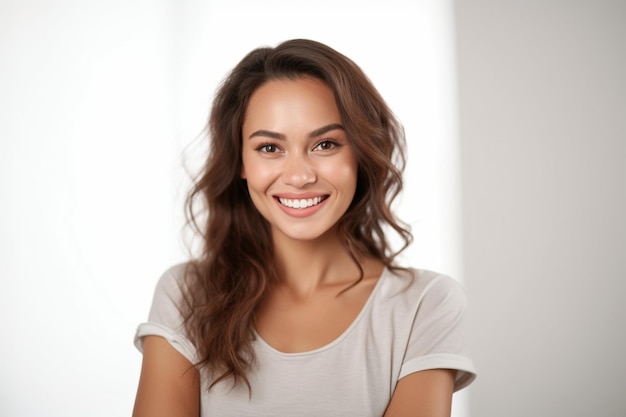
x=257, y=174
x=246, y=164
x=346, y=174
x=343, y=173
x=249, y=167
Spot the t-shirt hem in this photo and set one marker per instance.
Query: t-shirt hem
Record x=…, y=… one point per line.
x=466, y=371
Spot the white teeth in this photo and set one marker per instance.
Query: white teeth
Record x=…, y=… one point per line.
x=302, y=203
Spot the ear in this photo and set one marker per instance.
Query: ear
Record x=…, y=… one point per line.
x=242, y=173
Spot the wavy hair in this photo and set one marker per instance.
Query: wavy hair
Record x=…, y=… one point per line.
x=233, y=273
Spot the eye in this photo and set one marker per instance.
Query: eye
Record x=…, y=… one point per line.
x=267, y=148
x=326, y=145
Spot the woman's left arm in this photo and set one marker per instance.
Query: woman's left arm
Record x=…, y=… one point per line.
x=423, y=394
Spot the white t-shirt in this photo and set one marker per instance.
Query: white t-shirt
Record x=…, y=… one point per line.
x=412, y=321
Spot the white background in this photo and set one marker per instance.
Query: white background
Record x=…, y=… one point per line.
x=99, y=101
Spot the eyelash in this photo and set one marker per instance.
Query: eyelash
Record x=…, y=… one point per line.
x=331, y=142
x=264, y=146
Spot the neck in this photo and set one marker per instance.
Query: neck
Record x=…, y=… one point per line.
x=305, y=266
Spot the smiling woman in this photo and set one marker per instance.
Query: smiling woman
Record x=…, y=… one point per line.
x=296, y=306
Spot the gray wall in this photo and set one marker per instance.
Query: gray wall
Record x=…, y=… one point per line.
x=543, y=134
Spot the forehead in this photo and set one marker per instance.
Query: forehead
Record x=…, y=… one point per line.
x=287, y=104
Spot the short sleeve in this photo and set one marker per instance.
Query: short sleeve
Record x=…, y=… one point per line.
x=438, y=335
x=165, y=319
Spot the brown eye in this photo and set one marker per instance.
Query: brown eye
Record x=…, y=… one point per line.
x=267, y=148
x=326, y=145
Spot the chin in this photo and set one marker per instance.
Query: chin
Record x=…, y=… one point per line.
x=304, y=235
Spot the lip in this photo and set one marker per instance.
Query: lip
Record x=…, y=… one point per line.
x=301, y=212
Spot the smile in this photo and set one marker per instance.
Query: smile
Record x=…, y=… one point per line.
x=301, y=203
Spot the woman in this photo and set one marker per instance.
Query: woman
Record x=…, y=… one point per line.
x=295, y=306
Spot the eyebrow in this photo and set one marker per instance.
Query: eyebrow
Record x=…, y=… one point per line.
x=279, y=136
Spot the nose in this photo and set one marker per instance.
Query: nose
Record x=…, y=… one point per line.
x=298, y=171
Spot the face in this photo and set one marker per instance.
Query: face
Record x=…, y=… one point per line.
x=298, y=163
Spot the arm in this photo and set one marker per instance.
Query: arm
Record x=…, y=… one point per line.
x=423, y=394
x=169, y=384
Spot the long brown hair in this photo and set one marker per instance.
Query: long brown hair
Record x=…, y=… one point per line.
x=234, y=272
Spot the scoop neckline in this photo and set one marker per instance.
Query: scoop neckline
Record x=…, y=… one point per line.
x=339, y=338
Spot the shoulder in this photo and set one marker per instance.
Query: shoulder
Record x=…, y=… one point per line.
x=166, y=318
x=423, y=286
x=169, y=292
x=173, y=279
x=436, y=312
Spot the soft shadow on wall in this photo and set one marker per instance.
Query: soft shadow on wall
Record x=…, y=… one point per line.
x=543, y=138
